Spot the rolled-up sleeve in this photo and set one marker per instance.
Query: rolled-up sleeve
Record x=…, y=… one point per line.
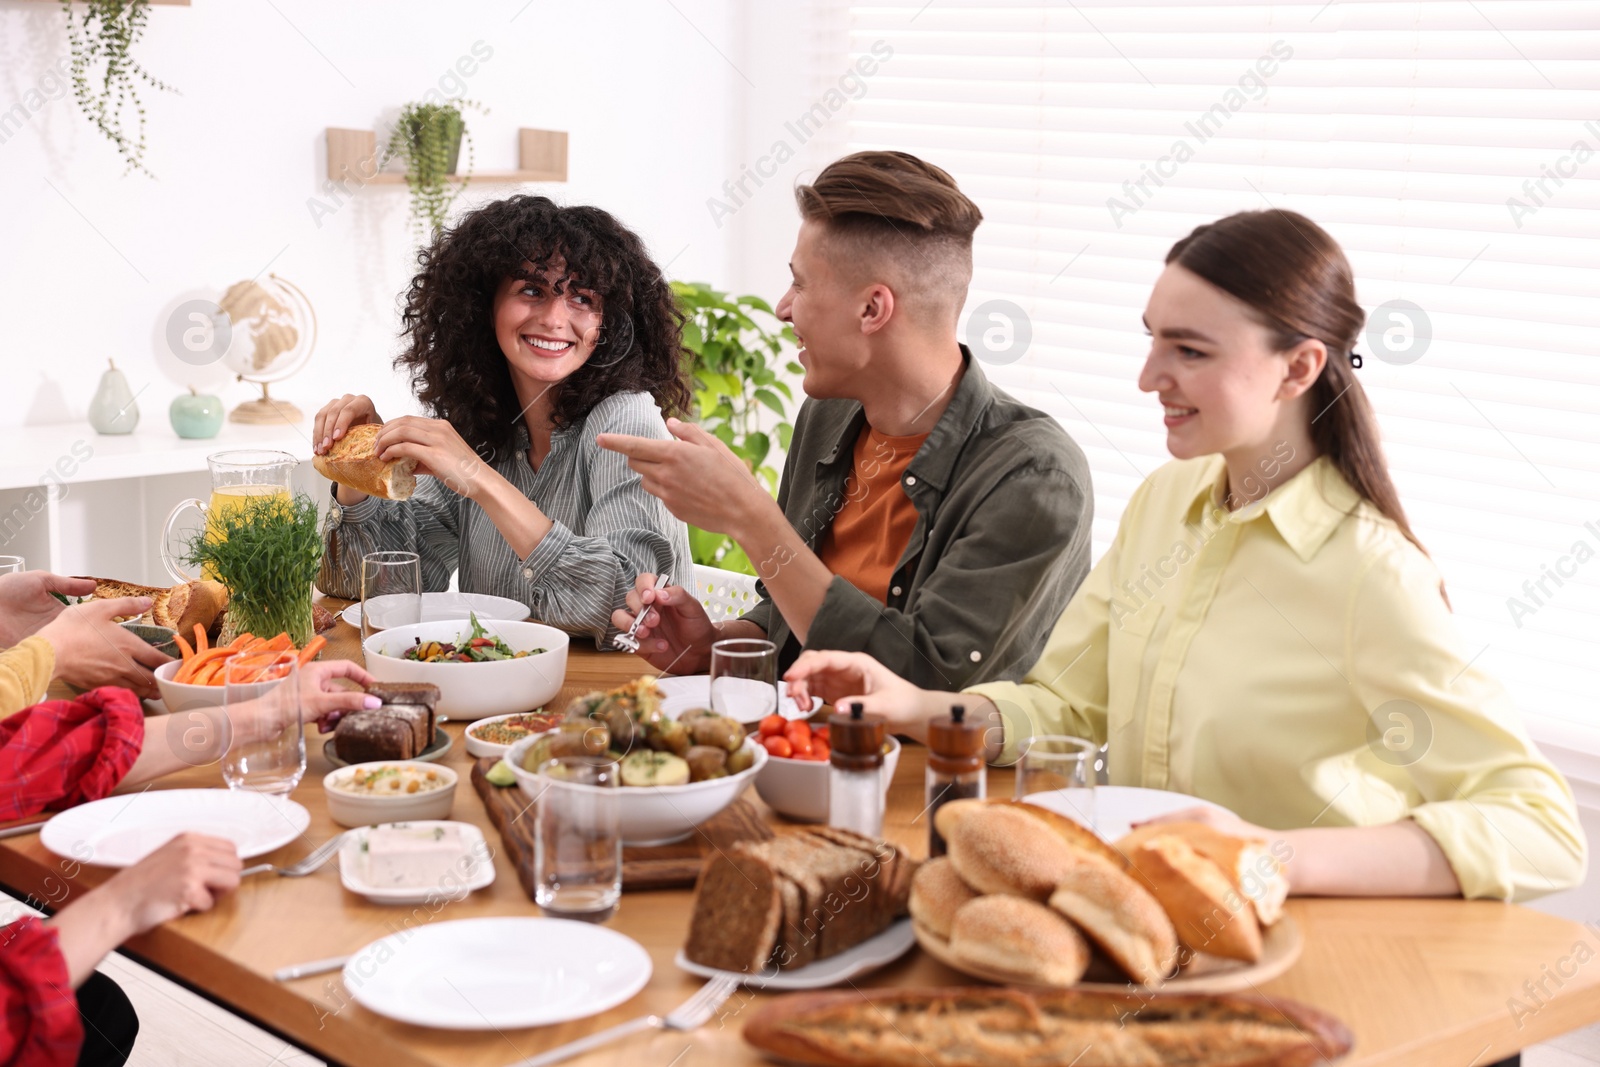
x=66, y=752
x=1503, y=815
x=429, y=524
x=983, y=584
x=25, y=671
x=41, y=1026
x=574, y=580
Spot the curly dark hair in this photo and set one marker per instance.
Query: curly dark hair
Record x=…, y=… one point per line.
x=457, y=368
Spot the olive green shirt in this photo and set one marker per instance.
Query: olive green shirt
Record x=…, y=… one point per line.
x=1001, y=542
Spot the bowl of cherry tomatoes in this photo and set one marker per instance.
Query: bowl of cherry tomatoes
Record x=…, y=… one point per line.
x=794, y=782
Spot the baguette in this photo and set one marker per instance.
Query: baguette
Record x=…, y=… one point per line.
x=353, y=461
x=1207, y=913
x=969, y=1027
x=1248, y=864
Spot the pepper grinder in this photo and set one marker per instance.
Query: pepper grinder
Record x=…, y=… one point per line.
x=855, y=779
x=955, y=767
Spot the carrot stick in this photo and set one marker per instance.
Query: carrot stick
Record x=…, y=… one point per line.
x=188, y=670
x=281, y=643
x=200, y=642
x=241, y=641
x=214, y=673
x=183, y=646
x=313, y=646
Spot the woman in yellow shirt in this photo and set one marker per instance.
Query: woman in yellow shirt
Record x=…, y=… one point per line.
x=1265, y=631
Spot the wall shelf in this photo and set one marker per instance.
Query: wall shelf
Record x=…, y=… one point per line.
x=353, y=156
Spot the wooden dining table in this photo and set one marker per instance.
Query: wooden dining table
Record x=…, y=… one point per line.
x=1421, y=983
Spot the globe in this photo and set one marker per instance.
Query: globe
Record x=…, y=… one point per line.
x=272, y=330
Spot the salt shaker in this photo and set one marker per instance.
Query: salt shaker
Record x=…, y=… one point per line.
x=955, y=767
x=855, y=780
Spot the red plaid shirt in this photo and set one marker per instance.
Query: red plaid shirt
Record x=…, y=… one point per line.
x=52, y=756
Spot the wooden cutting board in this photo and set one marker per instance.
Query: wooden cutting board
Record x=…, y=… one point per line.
x=656, y=867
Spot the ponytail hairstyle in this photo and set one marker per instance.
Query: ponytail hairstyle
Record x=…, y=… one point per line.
x=1295, y=277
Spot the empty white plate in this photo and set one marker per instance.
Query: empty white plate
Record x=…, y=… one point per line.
x=694, y=691
x=473, y=871
x=497, y=973
x=874, y=952
x=442, y=607
x=121, y=831
x=1118, y=807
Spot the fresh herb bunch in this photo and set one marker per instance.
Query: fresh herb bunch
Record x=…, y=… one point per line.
x=105, y=97
x=266, y=551
x=427, y=137
x=736, y=358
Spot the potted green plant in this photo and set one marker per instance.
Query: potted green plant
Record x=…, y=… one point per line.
x=427, y=138
x=105, y=36
x=267, y=552
x=737, y=345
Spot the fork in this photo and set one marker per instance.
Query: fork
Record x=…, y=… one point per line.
x=690, y=1015
x=627, y=642
x=311, y=863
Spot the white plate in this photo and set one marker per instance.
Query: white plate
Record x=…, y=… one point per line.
x=694, y=691
x=497, y=973
x=441, y=607
x=473, y=871
x=121, y=831
x=1118, y=807
x=871, y=954
x=478, y=747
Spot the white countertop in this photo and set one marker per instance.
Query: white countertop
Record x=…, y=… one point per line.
x=74, y=452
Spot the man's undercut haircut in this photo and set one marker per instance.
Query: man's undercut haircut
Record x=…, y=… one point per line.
x=892, y=217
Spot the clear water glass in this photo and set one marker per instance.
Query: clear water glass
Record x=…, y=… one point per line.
x=12, y=564
x=577, y=855
x=267, y=742
x=744, y=679
x=391, y=591
x=1063, y=766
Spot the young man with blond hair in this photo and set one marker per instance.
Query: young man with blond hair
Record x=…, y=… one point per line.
x=924, y=516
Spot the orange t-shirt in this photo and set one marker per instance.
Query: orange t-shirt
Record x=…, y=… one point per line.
x=873, y=527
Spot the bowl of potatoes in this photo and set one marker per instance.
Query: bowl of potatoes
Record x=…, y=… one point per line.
x=675, y=771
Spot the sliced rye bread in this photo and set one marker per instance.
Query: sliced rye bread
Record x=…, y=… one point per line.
x=738, y=908
x=887, y=870
x=852, y=908
x=792, y=857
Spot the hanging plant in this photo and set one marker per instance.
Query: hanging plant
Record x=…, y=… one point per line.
x=427, y=138
x=105, y=35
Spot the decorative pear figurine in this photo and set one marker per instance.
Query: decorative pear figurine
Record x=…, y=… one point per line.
x=113, y=410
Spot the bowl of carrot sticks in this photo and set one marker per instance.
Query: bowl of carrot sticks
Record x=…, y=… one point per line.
x=199, y=679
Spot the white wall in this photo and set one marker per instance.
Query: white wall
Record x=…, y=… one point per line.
x=91, y=261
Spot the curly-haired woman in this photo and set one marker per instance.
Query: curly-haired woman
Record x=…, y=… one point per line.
x=533, y=328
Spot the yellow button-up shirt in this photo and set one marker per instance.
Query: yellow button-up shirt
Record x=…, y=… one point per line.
x=1296, y=662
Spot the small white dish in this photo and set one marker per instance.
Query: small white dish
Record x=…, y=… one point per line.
x=473, y=871
x=440, y=607
x=362, y=809
x=435, y=751
x=497, y=973
x=1118, y=807
x=878, y=951
x=476, y=690
x=690, y=691
x=799, y=789
x=120, y=831
x=477, y=746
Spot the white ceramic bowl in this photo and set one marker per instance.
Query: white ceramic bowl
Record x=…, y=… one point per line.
x=798, y=788
x=476, y=690
x=659, y=814
x=354, y=809
x=180, y=697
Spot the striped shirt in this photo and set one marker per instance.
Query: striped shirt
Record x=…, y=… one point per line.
x=607, y=530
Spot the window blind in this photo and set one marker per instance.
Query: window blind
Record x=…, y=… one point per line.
x=1452, y=148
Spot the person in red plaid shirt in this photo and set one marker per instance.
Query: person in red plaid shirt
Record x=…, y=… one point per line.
x=56, y=1009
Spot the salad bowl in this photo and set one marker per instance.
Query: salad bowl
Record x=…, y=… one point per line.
x=479, y=688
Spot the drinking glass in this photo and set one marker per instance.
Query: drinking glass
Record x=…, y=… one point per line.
x=577, y=854
x=744, y=679
x=267, y=751
x=391, y=591
x=12, y=564
x=1061, y=765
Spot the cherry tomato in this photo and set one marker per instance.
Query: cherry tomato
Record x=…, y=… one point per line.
x=798, y=732
x=771, y=725
x=800, y=745
x=820, y=750
x=778, y=746
x=820, y=733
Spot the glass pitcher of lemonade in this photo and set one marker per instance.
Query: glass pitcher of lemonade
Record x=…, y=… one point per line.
x=236, y=478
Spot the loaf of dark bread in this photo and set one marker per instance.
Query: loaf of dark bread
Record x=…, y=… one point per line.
x=987, y=1027
x=367, y=736
x=418, y=718
x=737, y=913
